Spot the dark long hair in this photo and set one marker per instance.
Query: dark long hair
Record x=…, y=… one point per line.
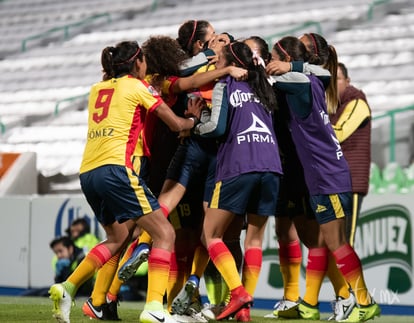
x=263, y=47
x=191, y=31
x=241, y=55
x=120, y=60
x=323, y=54
x=292, y=47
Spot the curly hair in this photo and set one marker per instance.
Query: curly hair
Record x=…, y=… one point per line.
x=164, y=57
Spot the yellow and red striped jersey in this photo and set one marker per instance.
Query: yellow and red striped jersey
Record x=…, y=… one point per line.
x=117, y=111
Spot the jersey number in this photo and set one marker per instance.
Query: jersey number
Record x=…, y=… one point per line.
x=102, y=104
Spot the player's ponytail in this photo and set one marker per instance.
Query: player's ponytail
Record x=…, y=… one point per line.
x=239, y=54
x=106, y=61
x=332, y=98
x=120, y=60
x=325, y=55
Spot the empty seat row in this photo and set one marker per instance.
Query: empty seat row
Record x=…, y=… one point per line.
x=393, y=178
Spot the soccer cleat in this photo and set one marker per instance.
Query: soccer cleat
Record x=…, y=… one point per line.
x=148, y=316
x=138, y=256
x=94, y=312
x=362, y=313
x=184, y=318
x=62, y=303
x=210, y=311
x=271, y=316
x=239, y=299
x=243, y=315
x=190, y=316
x=286, y=309
x=183, y=300
x=308, y=312
x=104, y=312
x=113, y=310
x=342, y=307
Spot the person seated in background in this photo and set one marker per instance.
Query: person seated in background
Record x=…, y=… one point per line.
x=68, y=257
x=80, y=232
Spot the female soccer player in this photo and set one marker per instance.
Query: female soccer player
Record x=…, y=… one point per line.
x=327, y=177
x=116, y=193
x=247, y=173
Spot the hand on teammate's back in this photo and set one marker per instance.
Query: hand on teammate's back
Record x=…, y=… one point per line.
x=194, y=107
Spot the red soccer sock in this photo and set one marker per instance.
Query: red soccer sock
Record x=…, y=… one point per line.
x=349, y=264
x=315, y=273
x=251, y=269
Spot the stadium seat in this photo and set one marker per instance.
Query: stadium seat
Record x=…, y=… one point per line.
x=30, y=99
x=409, y=173
x=394, y=178
x=375, y=180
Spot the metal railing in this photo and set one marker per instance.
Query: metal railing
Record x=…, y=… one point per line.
x=2, y=127
x=304, y=26
x=66, y=29
x=70, y=99
x=375, y=3
x=391, y=115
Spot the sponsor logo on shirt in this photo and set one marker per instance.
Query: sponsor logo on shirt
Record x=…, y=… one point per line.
x=153, y=91
x=256, y=132
x=238, y=97
x=339, y=153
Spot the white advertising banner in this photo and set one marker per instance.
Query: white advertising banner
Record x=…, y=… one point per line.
x=384, y=241
x=14, y=241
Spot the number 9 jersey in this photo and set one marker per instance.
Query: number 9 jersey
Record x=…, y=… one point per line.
x=117, y=111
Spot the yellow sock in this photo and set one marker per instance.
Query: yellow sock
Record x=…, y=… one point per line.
x=251, y=269
x=351, y=269
x=145, y=238
x=103, y=280
x=94, y=260
x=290, y=258
x=337, y=279
x=176, y=280
x=115, y=285
x=158, y=272
x=315, y=273
x=224, y=261
x=200, y=261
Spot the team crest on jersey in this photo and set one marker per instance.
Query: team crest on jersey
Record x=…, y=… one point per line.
x=153, y=91
x=256, y=132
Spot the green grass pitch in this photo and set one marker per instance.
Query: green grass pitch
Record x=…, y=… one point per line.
x=39, y=309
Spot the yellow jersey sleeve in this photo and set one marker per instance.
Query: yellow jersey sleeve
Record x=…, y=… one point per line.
x=354, y=114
